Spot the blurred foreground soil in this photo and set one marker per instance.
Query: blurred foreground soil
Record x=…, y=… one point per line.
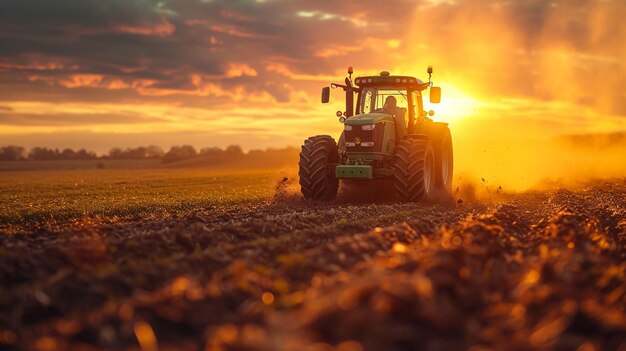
x=538, y=270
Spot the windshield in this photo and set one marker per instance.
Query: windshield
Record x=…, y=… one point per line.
x=373, y=99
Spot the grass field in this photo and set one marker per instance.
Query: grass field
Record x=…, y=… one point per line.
x=30, y=198
x=38, y=165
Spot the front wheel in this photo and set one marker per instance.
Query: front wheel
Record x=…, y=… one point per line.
x=414, y=171
x=318, y=154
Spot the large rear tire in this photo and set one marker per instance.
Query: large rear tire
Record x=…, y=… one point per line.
x=317, y=182
x=414, y=173
x=444, y=159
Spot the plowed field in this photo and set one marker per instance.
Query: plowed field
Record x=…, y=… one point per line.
x=536, y=270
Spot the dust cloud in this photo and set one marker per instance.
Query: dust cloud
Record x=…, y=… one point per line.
x=517, y=165
x=533, y=90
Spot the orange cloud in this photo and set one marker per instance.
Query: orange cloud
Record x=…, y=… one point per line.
x=202, y=88
x=82, y=80
x=117, y=84
x=224, y=29
x=35, y=66
x=162, y=29
x=238, y=70
x=336, y=50
x=281, y=68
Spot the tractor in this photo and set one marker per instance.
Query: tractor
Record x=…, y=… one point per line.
x=386, y=135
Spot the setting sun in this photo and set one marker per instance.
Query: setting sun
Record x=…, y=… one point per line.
x=455, y=105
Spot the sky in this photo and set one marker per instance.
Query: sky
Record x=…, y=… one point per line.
x=98, y=74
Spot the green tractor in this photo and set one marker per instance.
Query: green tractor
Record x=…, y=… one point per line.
x=387, y=135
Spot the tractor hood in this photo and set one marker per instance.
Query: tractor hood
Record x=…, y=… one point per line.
x=368, y=118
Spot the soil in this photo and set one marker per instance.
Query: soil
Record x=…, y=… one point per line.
x=538, y=270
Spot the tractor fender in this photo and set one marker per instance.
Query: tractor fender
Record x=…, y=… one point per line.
x=434, y=130
x=437, y=130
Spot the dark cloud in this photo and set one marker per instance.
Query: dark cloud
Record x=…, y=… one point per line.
x=77, y=17
x=157, y=51
x=167, y=41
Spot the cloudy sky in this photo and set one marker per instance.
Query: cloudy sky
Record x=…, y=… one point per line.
x=104, y=73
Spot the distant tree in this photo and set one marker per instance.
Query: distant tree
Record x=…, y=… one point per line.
x=211, y=151
x=234, y=150
x=154, y=151
x=151, y=151
x=179, y=153
x=116, y=153
x=12, y=153
x=256, y=153
x=67, y=154
x=43, y=154
x=139, y=152
x=83, y=154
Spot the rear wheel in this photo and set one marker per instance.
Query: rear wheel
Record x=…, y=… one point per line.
x=444, y=159
x=317, y=181
x=414, y=171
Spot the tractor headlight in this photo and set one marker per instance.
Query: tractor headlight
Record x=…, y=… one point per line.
x=367, y=143
x=368, y=127
x=347, y=127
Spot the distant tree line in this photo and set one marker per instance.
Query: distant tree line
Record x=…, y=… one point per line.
x=186, y=152
x=18, y=153
x=232, y=156
x=206, y=156
x=135, y=153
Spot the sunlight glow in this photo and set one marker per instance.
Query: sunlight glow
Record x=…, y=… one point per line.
x=455, y=104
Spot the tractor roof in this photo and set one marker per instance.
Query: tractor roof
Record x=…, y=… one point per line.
x=388, y=80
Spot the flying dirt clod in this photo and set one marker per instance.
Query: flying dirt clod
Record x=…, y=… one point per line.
x=377, y=141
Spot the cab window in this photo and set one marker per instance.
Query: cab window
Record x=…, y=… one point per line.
x=373, y=99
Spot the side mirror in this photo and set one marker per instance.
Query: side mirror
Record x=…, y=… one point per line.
x=325, y=95
x=435, y=95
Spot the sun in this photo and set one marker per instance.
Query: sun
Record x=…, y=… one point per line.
x=455, y=104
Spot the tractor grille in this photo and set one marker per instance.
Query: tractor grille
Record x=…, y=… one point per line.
x=359, y=140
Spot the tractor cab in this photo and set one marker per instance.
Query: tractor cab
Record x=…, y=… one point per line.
x=396, y=96
x=372, y=93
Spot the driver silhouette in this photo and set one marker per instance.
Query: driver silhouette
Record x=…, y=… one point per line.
x=391, y=107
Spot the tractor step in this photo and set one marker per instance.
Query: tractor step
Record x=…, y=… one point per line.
x=354, y=172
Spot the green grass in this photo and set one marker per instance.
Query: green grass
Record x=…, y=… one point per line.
x=30, y=198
